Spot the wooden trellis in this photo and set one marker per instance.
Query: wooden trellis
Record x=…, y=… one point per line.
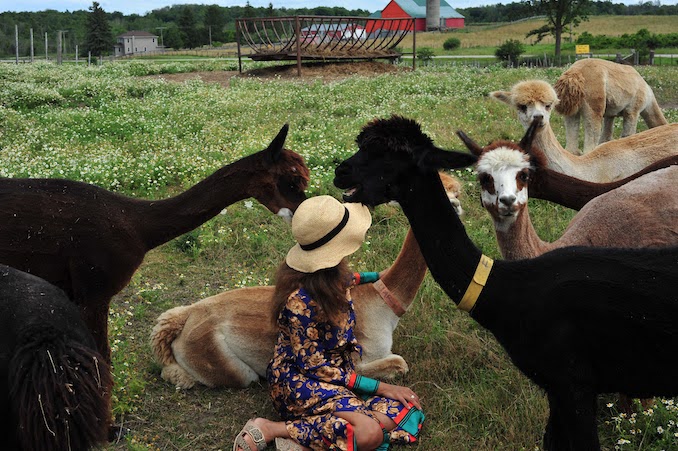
x=322, y=38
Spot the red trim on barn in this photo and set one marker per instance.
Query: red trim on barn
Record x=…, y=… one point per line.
x=394, y=11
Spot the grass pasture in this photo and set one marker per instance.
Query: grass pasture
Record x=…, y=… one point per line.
x=141, y=136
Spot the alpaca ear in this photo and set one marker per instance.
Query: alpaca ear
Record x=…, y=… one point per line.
x=278, y=143
x=526, y=142
x=503, y=96
x=436, y=158
x=474, y=148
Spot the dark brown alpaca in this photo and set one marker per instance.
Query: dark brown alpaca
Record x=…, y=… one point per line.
x=89, y=241
x=574, y=193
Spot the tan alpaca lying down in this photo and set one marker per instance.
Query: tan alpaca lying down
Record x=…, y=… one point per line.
x=228, y=339
x=597, y=91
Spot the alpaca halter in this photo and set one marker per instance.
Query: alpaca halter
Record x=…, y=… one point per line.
x=477, y=283
x=388, y=297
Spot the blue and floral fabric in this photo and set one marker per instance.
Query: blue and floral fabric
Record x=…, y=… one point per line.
x=312, y=375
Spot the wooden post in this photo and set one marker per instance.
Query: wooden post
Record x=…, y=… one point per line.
x=414, y=44
x=16, y=42
x=46, y=54
x=297, y=31
x=76, y=54
x=89, y=58
x=32, y=49
x=237, y=40
x=59, y=56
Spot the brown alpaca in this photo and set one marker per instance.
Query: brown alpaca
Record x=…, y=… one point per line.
x=89, y=241
x=610, y=161
x=228, y=339
x=597, y=91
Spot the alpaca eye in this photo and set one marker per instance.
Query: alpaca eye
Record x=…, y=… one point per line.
x=522, y=108
x=484, y=179
x=548, y=107
x=523, y=176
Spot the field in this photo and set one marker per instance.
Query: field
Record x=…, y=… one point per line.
x=126, y=128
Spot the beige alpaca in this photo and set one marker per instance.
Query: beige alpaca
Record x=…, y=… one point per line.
x=597, y=91
x=610, y=161
x=228, y=339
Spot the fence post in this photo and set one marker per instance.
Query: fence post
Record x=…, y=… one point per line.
x=32, y=50
x=16, y=42
x=297, y=31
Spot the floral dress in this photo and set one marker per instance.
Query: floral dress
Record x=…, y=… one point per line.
x=312, y=375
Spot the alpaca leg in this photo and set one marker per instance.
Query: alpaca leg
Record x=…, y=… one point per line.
x=572, y=133
x=176, y=375
x=608, y=126
x=572, y=422
x=206, y=356
x=630, y=123
x=593, y=123
x=386, y=368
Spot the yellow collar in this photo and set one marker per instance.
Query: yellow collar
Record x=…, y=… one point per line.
x=477, y=283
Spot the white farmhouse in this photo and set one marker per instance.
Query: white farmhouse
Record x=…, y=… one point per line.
x=135, y=42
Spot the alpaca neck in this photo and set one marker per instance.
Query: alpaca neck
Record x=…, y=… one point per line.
x=449, y=253
x=557, y=157
x=567, y=191
x=169, y=218
x=519, y=240
x=403, y=278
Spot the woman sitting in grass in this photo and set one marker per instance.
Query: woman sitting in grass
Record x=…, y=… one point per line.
x=325, y=405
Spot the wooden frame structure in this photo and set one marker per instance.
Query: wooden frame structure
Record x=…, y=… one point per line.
x=322, y=38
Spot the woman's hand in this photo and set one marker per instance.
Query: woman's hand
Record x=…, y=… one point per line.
x=403, y=394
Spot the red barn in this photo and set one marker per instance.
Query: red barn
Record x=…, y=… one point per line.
x=416, y=9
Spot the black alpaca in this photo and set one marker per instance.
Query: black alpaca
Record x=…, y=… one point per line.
x=54, y=383
x=558, y=315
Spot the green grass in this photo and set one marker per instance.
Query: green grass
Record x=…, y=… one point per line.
x=145, y=137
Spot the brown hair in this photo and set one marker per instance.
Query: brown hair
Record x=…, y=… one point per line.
x=327, y=287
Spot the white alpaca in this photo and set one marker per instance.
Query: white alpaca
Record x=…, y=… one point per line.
x=228, y=339
x=610, y=161
x=597, y=91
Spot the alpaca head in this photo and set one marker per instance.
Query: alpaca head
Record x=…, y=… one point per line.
x=532, y=99
x=390, y=151
x=504, y=170
x=282, y=178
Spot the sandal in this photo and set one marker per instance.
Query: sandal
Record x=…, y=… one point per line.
x=256, y=435
x=286, y=444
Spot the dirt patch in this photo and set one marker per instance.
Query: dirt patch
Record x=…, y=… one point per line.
x=311, y=71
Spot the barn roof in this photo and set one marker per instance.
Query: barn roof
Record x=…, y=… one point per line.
x=417, y=9
x=137, y=33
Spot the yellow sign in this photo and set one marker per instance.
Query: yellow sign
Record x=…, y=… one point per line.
x=582, y=49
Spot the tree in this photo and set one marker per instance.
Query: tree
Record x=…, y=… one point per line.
x=559, y=14
x=189, y=34
x=215, y=22
x=98, y=36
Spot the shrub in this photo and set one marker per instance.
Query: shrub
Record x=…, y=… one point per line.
x=425, y=54
x=452, y=44
x=510, y=51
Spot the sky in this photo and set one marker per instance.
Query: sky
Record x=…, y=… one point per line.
x=142, y=7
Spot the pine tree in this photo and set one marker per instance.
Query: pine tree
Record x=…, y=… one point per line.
x=98, y=35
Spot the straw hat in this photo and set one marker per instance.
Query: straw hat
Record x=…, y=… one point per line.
x=326, y=231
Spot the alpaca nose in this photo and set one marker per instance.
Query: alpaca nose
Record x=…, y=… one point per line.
x=537, y=117
x=507, y=199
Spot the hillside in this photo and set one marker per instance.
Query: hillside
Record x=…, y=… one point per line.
x=494, y=35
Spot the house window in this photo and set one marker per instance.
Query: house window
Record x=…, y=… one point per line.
x=135, y=49
x=144, y=49
x=153, y=40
